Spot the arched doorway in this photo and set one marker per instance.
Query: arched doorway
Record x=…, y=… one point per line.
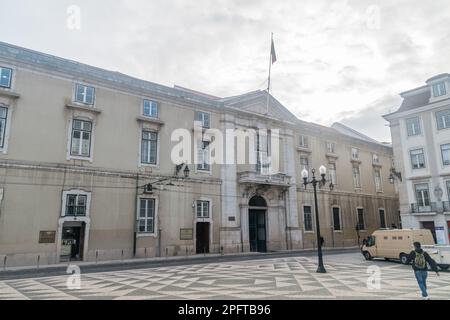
x=257, y=224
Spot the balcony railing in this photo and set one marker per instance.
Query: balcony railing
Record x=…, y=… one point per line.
x=76, y=211
x=419, y=208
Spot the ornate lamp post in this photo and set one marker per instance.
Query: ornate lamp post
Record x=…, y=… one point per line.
x=315, y=183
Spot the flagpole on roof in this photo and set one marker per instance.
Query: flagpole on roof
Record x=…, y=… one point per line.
x=272, y=60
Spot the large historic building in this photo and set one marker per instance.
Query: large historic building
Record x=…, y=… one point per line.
x=421, y=141
x=87, y=169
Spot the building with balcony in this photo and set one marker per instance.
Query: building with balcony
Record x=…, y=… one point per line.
x=90, y=169
x=421, y=140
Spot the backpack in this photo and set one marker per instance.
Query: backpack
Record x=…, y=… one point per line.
x=420, y=261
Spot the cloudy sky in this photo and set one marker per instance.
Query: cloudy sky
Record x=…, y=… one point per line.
x=338, y=60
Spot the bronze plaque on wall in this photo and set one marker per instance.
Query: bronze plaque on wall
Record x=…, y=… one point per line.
x=186, y=234
x=47, y=237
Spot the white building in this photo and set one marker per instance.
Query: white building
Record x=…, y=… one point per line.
x=421, y=140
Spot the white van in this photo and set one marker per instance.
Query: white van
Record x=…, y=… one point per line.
x=398, y=244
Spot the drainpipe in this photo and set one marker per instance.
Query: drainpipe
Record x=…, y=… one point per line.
x=135, y=216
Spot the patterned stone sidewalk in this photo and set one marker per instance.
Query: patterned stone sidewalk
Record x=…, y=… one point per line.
x=286, y=278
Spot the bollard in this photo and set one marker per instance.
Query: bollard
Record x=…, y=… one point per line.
x=221, y=250
x=96, y=256
x=167, y=253
x=4, y=262
x=145, y=252
x=187, y=252
x=122, y=255
x=38, y=261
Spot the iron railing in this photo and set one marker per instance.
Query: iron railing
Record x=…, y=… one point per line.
x=421, y=208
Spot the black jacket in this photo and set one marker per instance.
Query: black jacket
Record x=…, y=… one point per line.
x=429, y=260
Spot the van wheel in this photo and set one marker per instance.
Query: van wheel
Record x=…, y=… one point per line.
x=444, y=267
x=403, y=258
x=367, y=256
x=387, y=259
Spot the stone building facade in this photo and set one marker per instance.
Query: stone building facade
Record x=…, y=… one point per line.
x=87, y=170
x=421, y=141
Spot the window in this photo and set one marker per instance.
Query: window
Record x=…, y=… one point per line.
x=382, y=218
x=304, y=163
x=204, y=118
x=422, y=195
x=76, y=205
x=443, y=119
x=375, y=159
x=445, y=150
x=355, y=154
x=448, y=189
x=204, y=156
x=417, y=159
x=361, y=222
x=356, y=177
x=263, y=164
x=84, y=94
x=378, y=183
x=146, y=221
x=149, y=147
x=3, y=120
x=81, y=138
x=439, y=89
x=150, y=109
x=5, y=77
x=331, y=147
x=413, y=126
x=203, y=209
x=304, y=142
x=307, y=214
x=337, y=219
x=332, y=172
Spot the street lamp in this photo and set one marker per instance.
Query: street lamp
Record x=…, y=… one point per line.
x=321, y=183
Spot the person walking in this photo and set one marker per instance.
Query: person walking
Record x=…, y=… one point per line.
x=420, y=261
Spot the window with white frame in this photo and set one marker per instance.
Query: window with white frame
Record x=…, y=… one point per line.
x=204, y=118
x=382, y=218
x=3, y=121
x=5, y=77
x=81, y=138
x=422, y=194
x=308, y=218
x=439, y=89
x=355, y=153
x=356, y=176
x=150, y=108
x=204, y=156
x=331, y=147
x=443, y=119
x=262, y=153
x=417, y=159
x=445, y=151
x=149, y=147
x=336, y=219
x=378, y=182
x=146, y=221
x=304, y=142
x=361, y=219
x=203, y=209
x=84, y=94
x=413, y=126
x=76, y=205
x=375, y=158
x=332, y=173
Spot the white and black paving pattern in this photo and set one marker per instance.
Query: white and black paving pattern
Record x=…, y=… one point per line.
x=269, y=279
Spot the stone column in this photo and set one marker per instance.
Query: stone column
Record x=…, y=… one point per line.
x=230, y=235
x=245, y=227
x=292, y=223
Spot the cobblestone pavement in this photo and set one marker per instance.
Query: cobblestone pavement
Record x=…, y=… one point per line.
x=269, y=279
